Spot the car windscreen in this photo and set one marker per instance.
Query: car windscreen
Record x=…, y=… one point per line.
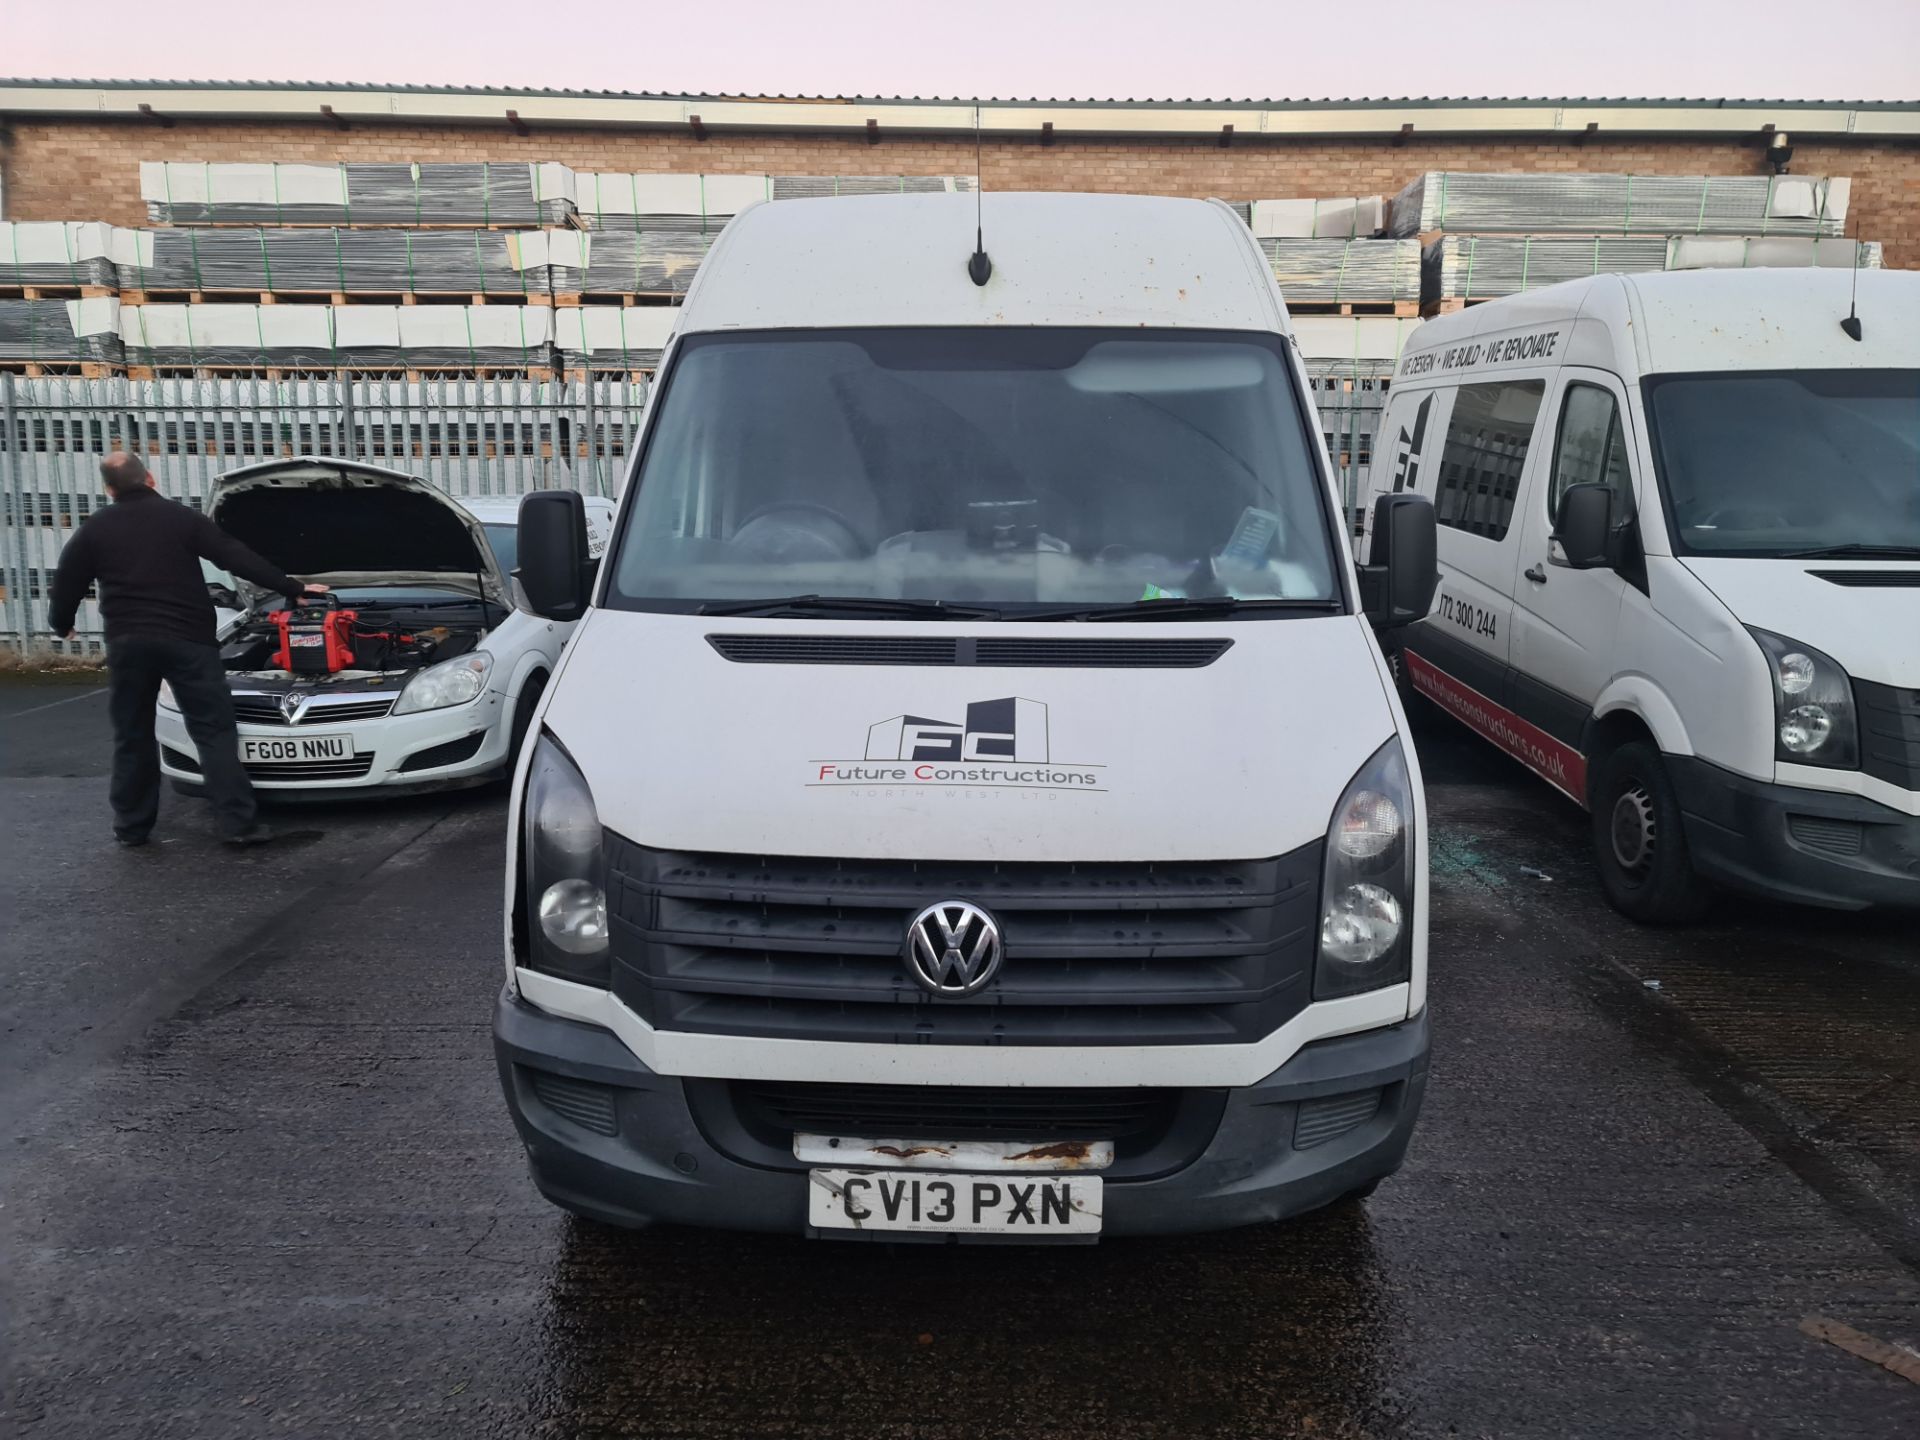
x=998, y=467
x=1780, y=462
x=504, y=541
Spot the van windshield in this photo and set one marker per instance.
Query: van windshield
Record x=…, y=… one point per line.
x=993, y=468
x=1790, y=463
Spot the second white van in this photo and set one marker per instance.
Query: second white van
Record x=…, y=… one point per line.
x=1679, y=543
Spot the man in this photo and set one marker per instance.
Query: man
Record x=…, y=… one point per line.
x=145, y=552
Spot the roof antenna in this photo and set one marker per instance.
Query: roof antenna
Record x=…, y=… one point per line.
x=979, y=267
x=1852, y=323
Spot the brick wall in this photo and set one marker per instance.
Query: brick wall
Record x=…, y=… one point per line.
x=88, y=170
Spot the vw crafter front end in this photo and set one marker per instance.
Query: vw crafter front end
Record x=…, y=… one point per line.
x=973, y=804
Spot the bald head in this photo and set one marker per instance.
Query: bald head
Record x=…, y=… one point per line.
x=123, y=472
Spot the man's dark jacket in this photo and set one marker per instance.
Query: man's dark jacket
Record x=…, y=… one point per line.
x=145, y=552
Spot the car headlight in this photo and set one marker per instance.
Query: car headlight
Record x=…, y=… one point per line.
x=451, y=682
x=567, y=924
x=1366, y=889
x=1813, y=715
x=167, y=702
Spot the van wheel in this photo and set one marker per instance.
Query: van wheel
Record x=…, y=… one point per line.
x=1640, y=840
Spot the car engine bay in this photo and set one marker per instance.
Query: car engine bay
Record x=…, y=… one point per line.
x=342, y=643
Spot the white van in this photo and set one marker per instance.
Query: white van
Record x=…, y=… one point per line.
x=1680, y=569
x=973, y=803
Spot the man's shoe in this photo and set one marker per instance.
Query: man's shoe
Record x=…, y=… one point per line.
x=130, y=841
x=255, y=834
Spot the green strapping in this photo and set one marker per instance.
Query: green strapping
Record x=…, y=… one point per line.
x=1700, y=220
x=1595, y=269
x=346, y=195
x=278, y=217
x=260, y=330
x=406, y=237
x=266, y=265
x=1473, y=253
x=703, y=209
x=1626, y=220
x=473, y=359
x=1526, y=261
x=66, y=243
x=486, y=193
x=480, y=266
x=1340, y=280
x=339, y=260
x=193, y=247
x=1767, y=214
x=414, y=170
x=1441, y=224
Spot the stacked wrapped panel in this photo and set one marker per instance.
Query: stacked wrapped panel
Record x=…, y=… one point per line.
x=1479, y=267
x=1352, y=218
x=1572, y=204
x=355, y=193
x=702, y=204
x=60, y=332
x=636, y=262
x=605, y=337
x=426, y=337
x=1345, y=271
x=1352, y=344
x=335, y=260
x=56, y=252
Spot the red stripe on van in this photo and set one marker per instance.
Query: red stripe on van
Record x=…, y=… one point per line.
x=1559, y=764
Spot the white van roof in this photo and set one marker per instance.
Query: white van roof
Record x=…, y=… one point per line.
x=1058, y=259
x=1679, y=321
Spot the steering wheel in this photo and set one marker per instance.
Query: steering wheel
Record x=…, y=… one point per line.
x=1749, y=513
x=799, y=530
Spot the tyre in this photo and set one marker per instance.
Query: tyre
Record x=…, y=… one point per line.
x=523, y=720
x=1640, y=840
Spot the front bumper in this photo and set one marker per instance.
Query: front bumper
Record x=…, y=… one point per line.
x=645, y=1151
x=1785, y=842
x=387, y=744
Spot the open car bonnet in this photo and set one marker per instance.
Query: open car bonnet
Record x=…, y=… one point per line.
x=344, y=523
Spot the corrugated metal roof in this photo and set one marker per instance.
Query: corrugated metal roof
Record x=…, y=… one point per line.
x=1698, y=102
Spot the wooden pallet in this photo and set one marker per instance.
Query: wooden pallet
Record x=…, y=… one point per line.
x=329, y=297
x=57, y=292
x=289, y=372
x=574, y=372
x=1399, y=309
x=353, y=225
x=47, y=369
x=1454, y=304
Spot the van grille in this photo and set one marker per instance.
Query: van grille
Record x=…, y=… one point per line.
x=1000, y=650
x=1889, y=733
x=351, y=768
x=812, y=949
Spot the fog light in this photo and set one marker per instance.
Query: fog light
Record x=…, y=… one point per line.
x=1360, y=926
x=1805, y=728
x=573, y=917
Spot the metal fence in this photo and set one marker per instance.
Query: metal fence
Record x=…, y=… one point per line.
x=470, y=437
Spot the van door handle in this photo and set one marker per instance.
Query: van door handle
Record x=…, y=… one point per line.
x=1535, y=574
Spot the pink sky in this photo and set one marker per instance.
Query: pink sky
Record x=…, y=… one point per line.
x=1842, y=49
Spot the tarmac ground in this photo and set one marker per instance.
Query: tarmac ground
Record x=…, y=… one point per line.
x=256, y=1177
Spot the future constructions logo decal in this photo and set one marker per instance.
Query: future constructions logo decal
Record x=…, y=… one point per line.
x=1002, y=744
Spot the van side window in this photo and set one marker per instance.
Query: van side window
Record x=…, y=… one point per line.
x=1591, y=449
x=1485, y=452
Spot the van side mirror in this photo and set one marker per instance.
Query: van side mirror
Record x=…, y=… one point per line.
x=554, y=571
x=1585, y=527
x=1397, y=585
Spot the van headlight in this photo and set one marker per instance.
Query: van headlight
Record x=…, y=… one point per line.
x=1813, y=715
x=451, y=682
x=566, y=897
x=1366, y=890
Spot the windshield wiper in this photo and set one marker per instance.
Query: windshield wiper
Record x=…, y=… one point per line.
x=1180, y=608
x=1843, y=552
x=801, y=606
